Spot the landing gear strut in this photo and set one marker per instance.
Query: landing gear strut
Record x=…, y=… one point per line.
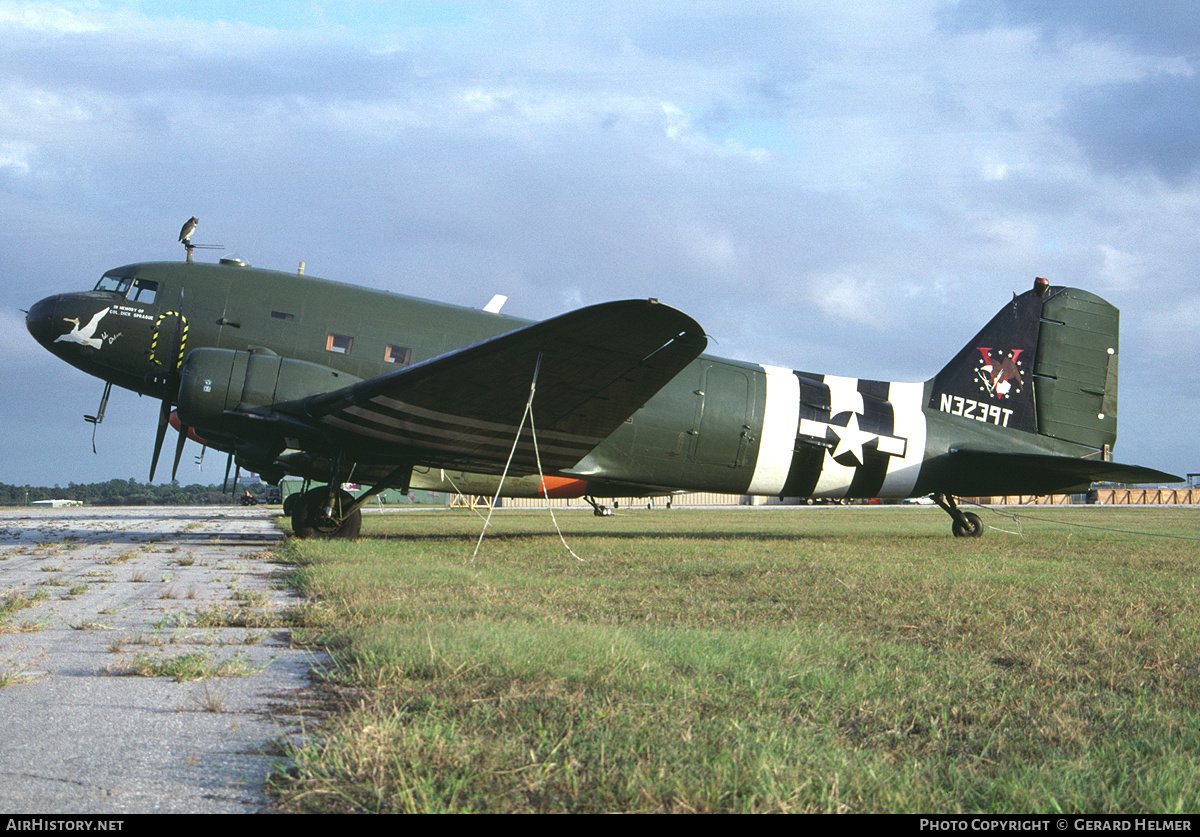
x=966, y=524
x=597, y=509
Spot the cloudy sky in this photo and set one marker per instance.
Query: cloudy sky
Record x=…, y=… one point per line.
x=843, y=188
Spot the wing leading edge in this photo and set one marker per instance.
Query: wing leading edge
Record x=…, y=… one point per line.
x=595, y=367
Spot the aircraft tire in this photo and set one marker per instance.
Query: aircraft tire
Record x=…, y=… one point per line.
x=309, y=521
x=289, y=503
x=974, y=528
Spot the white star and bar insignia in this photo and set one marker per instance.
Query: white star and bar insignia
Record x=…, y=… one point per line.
x=848, y=440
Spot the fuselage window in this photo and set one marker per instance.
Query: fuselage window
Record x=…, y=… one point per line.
x=339, y=343
x=282, y=315
x=397, y=354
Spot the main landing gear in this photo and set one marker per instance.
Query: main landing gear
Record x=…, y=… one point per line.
x=318, y=513
x=966, y=524
x=597, y=509
x=330, y=511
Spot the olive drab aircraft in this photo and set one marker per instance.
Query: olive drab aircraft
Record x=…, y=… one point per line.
x=294, y=375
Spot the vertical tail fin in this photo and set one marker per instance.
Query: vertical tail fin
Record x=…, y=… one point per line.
x=1046, y=363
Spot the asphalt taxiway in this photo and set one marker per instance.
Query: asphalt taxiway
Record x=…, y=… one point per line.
x=95, y=596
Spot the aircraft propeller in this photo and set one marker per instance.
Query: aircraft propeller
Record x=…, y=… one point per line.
x=171, y=383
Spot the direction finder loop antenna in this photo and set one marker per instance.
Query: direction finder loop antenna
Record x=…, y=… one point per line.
x=190, y=247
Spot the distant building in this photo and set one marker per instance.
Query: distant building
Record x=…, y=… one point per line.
x=56, y=504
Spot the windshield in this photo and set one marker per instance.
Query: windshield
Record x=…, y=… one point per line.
x=113, y=281
x=128, y=286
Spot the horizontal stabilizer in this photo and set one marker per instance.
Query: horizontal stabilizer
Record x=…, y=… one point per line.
x=1052, y=474
x=595, y=367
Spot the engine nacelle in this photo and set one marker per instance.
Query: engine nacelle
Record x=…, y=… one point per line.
x=217, y=381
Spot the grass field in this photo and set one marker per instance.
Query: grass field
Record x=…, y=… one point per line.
x=823, y=659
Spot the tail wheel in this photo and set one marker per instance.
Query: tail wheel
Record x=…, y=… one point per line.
x=965, y=524
x=309, y=519
x=971, y=528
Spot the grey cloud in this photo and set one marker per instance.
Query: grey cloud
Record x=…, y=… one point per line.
x=1152, y=125
x=1169, y=27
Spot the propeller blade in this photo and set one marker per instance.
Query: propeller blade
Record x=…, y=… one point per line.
x=228, y=465
x=183, y=431
x=170, y=390
x=164, y=417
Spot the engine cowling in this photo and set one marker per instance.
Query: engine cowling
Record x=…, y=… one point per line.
x=217, y=382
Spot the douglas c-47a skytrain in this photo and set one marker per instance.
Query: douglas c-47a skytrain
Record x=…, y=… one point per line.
x=291, y=374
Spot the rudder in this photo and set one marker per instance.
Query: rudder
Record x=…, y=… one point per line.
x=1075, y=375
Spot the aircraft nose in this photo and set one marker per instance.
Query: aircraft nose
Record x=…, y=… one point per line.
x=41, y=320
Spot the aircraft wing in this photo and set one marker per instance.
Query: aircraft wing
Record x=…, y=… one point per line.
x=1057, y=472
x=595, y=367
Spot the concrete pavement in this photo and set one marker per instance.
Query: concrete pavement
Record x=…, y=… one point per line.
x=111, y=591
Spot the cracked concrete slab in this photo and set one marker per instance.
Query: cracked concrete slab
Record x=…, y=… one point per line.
x=94, y=602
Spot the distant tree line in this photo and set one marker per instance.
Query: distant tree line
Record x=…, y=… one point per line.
x=125, y=493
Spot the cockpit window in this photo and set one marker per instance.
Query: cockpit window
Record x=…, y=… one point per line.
x=112, y=282
x=133, y=289
x=143, y=291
